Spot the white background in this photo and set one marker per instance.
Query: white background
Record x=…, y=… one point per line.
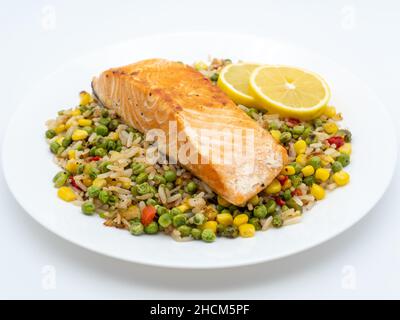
x=37, y=36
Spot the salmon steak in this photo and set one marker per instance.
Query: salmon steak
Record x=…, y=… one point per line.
x=228, y=150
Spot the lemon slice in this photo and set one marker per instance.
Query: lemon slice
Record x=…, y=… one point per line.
x=289, y=91
x=234, y=81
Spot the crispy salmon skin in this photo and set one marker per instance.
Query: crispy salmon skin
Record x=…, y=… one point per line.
x=158, y=94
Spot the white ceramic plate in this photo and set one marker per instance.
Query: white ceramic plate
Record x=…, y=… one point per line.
x=29, y=168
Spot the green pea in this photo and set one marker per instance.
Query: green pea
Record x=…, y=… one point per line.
x=196, y=233
x=277, y=221
x=80, y=169
x=309, y=180
x=337, y=166
x=66, y=142
x=255, y=222
x=285, y=137
x=144, y=188
x=344, y=159
x=297, y=167
x=92, y=151
x=134, y=191
x=176, y=211
x=179, y=220
x=104, y=196
x=118, y=146
x=137, y=167
x=230, y=232
x=214, y=77
x=101, y=130
x=113, y=125
x=169, y=185
x=191, y=187
x=306, y=133
x=105, y=113
x=151, y=202
x=151, y=228
x=271, y=206
x=208, y=235
x=185, y=230
x=142, y=177
x=54, y=147
x=225, y=210
x=61, y=179
x=296, y=180
x=346, y=134
x=50, y=134
x=260, y=211
x=165, y=220
x=318, y=123
x=100, y=152
x=103, y=166
x=170, y=175
x=105, y=121
x=89, y=130
x=158, y=179
x=291, y=203
x=199, y=218
x=220, y=229
x=60, y=150
x=161, y=210
x=136, y=228
x=273, y=125
x=93, y=173
x=298, y=130
x=88, y=208
x=315, y=162
x=112, y=200
x=93, y=192
x=286, y=194
x=110, y=145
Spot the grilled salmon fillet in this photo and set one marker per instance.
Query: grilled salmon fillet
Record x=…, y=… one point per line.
x=152, y=94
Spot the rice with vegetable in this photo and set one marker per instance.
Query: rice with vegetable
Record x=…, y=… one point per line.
x=105, y=172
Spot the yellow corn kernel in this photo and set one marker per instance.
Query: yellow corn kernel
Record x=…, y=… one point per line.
x=288, y=170
x=330, y=112
x=276, y=134
x=247, y=230
x=330, y=127
x=225, y=219
x=79, y=135
x=76, y=112
x=308, y=170
x=274, y=187
x=85, y=122
x=72, y=166
x=341, y=178
x=300, y=147
x=59, y=140
x=72, y=154
x=66, y=194
x=223, y=202
x=301, y=159
x=322, y=174
x=114, y=136
x=212, y=225
x=99, y=183
x=211, y=212
x=87, y=181
x=178, y=181
x=126, y=184
x=317, y=191
x=240, y=219
x=60, y=128
x=183, y=207
x=346, y=148
x=325, y=160
x=287, y=184
x=85, y=98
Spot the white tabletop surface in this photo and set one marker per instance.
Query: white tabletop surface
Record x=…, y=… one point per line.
x=37, y=36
